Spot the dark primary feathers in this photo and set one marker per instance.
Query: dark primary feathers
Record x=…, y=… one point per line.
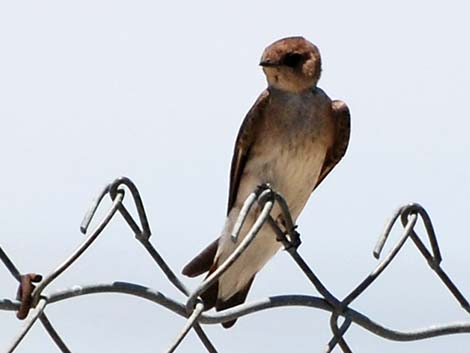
x=202, y=262
x=242, y=146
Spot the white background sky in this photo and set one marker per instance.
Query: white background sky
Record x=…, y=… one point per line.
x=93, y=90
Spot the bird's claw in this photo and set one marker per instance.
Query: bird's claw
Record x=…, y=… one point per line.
x=290, y=239
x=293, y=237
x=261, y=187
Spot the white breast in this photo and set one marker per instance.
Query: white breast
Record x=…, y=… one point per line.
x=293, y=172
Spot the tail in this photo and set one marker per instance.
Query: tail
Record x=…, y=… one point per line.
x=204, y=262
x=236, y=299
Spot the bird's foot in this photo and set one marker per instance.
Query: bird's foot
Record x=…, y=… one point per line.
x=293, y=237
x=261, y=187
x=290, y=238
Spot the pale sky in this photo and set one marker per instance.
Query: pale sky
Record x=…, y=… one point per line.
x=92, y=90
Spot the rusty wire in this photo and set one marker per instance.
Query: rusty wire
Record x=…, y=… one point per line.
x=31, y=297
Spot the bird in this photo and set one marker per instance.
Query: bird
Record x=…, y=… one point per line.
x=291, y=139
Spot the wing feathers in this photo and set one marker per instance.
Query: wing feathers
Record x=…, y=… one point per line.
x=342, y=121
x=236, y=299
x=243, y=145
x=202, y=262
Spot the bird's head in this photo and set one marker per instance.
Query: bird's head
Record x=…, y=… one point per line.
x=291, y=64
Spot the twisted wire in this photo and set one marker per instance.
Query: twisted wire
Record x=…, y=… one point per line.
x=32, y=301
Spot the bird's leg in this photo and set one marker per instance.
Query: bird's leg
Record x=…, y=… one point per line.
x=291, y=235
x=294, y=236
x=261, y=187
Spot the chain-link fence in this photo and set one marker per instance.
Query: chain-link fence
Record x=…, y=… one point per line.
x=33, y=296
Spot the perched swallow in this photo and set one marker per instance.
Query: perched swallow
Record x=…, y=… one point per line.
x=291, y=138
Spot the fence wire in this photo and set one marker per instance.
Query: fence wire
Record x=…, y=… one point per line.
x=31, y=291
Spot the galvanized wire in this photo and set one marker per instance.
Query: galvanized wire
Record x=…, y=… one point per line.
x=193, y=308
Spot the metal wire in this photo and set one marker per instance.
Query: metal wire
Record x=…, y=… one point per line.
x=193, y=309
x=29, y=322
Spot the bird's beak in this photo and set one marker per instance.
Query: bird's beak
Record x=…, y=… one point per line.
x=267, y=63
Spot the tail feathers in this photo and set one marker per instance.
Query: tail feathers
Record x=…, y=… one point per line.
x=209, y=297
x=234, y=300
x=202, y=262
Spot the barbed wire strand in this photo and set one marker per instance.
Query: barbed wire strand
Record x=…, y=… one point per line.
x=306, y=301
x=338, y=333
x=193, y=308
x=29, y=322
x=53, y=333
x=79, y=251
x=9, y=265
x=189, y=324
x=142, y=234
x=43, y=318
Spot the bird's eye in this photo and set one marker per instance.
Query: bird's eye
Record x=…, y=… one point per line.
x=292, y=60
